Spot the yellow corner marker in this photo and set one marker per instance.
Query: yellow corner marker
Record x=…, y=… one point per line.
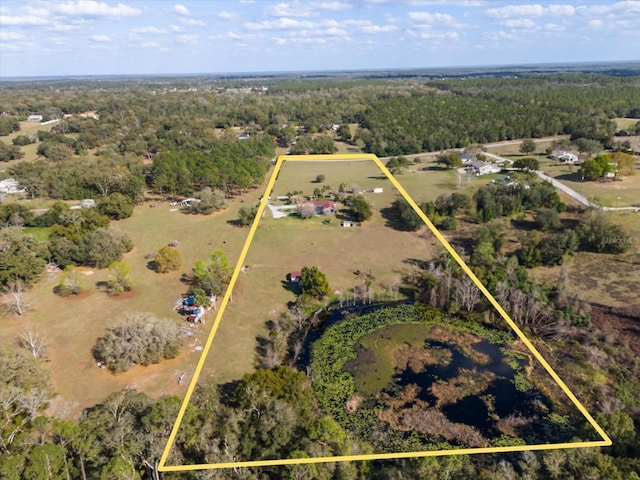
x=605, y=442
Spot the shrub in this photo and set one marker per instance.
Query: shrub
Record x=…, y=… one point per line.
x=168, y=259
x=141, y=339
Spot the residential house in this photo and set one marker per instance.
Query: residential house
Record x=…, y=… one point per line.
x=483, y=168
x=563, y=156
x=323, y=207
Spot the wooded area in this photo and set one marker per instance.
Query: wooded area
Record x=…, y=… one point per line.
x=125, y=142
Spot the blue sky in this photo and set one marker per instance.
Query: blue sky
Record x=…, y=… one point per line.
x=91, y=37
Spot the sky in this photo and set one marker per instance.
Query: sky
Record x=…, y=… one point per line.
x=92, y=37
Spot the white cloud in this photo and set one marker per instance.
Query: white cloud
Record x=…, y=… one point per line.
x=23, y=20
x=433, y=19
x=176, y=28
x=378, y=28
x=279, y=24
x=595, y=23
x=90, y=8
x=192, y=22
x=531, y=11
x=299, y=9
x=430, y=35
x=191, y=39
x=150, y=45
x=149, y=30
x=333, y=6
x=226, y=15
x=294, y=9
x=100, y=38
x=7, y=36
x=519, y=23
x=181, y=10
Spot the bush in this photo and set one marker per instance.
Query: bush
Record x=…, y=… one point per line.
x=168, y=259
x=141, y=340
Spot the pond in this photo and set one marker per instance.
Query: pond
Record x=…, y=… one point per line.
x=505, y=399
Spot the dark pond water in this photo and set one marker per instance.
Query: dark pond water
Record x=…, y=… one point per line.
x=472, y=410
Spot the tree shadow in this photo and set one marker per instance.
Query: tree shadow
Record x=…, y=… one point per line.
x=378, y=177
x=103, y=286
x=237, y=223
x=392, y=220
x=525, y=225
x=417, y=262
x=293, y=287
x=570, y=177
x=151, y=265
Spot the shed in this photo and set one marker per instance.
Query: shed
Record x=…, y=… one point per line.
x=294, y=276
x=378, y=190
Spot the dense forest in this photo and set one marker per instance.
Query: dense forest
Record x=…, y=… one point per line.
x=117, y=141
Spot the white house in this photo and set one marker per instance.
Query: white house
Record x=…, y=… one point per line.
x=483, y=168
x=564, y=157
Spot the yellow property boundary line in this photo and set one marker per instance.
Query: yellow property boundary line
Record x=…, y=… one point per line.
x=605, y=442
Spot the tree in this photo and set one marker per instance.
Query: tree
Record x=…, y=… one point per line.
x=167, y=259
x=626, y=163
x=528, y=146
x=247, y=214
x=360, y=208
x=116, y=206
x=33, y=342
x=10, y=152
x=396, y=165
x=450, y=160
x=547, y=218
x=588, y=145
x=320, y=178
x=597, y=233
x=597, y=167
x=314, y=283
x=527, y=163
x=344, y=132
x=119, y=278
x=141, y=339
x=14, y=299
x=71, y=283
x=408, y=219
x=104, y=246
x=557, y=246
x=306, y=210
x=467, y=294
x=210, y=201
x=213, y=274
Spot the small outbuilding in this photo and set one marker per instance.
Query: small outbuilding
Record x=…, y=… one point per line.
x=294, y=276
x=378, y=190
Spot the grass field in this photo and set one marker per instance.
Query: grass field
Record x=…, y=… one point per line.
x=619, y=193
x=624, y=123
x=71, y=325
x=30, y=151
x=286, y=244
